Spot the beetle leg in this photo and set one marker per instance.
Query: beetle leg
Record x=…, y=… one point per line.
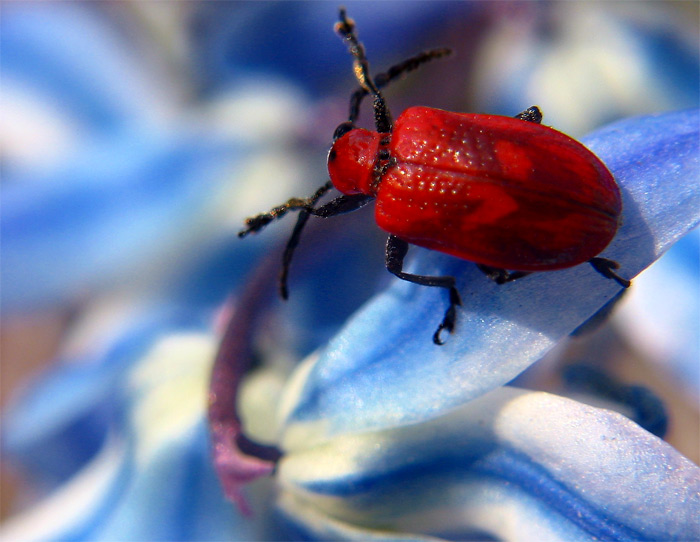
x=501, y=276
x=607, y=268
x=396, y=250
x=258, y=222
x=341, y=205
x=531, y=114
x=338, y=206
x=289, y=251
x=305, y=206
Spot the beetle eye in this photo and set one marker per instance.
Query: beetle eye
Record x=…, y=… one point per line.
x=343, y=129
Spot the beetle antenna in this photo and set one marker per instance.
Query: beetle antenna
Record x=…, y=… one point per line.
x=393, y=73
x=345, y=27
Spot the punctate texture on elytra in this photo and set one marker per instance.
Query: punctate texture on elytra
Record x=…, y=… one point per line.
x=495, y=190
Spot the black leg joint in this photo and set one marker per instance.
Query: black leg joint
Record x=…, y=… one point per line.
x=342, y=205
x=501, y=276
x=531, y=114
x=396, y=250
x=607, y=268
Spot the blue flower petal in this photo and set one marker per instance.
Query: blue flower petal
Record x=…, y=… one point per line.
x=79, y=60
x=90, y=494
x=177, y=487
x=295, y=39
x=303, y=521
x=644, y=59
x=61, y=421
x=153, y=479
x=661, y=316
x=512, y=465
x=124, y=207
x=383, y=369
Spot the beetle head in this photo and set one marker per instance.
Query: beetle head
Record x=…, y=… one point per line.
x=351, y=159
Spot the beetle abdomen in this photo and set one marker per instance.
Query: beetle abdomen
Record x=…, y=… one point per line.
x=497, y=191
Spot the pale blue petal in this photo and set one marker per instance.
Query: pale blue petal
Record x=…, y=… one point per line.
x=172, y=496
x=57, y=425
x=644, y=59
x=231, y=39
x=77, y=59
x=68, y=513
x=301, y=520
x=179, y=490
x=512, y=465
x=154, y=479
x=105, y=183
x=383, y=369
x=661, y=315
x=125, y=207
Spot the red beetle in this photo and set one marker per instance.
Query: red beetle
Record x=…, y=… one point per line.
x=507, y=193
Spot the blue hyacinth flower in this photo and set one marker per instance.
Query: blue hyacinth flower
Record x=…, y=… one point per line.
x=381, y=423
x=517, y=323
x=497, y=462
x=109, y=180
x=382, y=435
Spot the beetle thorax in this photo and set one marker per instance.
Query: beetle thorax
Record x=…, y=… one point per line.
x=351, y=161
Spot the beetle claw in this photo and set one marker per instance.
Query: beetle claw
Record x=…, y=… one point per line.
x=436, y=335
x=448, y=322
x=606, y=268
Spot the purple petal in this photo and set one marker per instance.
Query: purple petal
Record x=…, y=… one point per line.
x=233, y=465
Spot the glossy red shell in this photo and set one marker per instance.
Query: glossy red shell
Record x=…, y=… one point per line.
x=351, y=161
x=494, y=190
